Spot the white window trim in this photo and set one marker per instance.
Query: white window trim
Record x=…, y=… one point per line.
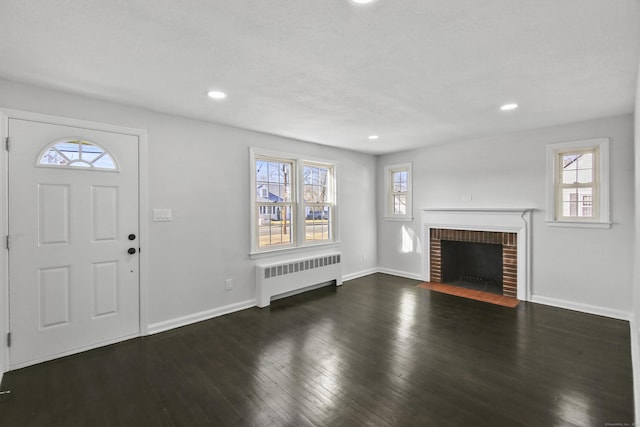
x=299, y=244
x=601, y=145
x=388, y=197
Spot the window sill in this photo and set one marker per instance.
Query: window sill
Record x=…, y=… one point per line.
x=579, y=224
x=292, y=250
x=399, y=218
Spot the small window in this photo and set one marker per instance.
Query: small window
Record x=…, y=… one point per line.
x=578, y=183
x=76, y=153
x=398, y=192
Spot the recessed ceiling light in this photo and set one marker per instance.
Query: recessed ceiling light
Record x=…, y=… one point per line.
x=362, y=1
x=372, y=137
x=216, y=94
x=509, y=107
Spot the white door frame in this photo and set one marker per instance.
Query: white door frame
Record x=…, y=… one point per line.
x=5, y=115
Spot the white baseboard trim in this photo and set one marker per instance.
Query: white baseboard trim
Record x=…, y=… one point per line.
x=200, y=316
x=359, y=274
x=585, y=308
x=399, y=273
x=635, y=366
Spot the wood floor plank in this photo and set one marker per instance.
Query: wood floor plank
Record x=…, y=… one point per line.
x=375, y=352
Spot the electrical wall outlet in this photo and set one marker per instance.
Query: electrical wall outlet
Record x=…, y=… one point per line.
x=228, y=284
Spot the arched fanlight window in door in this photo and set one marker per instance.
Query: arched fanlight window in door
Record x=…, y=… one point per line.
x=77, y=153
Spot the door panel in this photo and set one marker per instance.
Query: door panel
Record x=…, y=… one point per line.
x=72, y=283
x=54, y=296
x=104, y=214
x=53, y=214
x=105, y=288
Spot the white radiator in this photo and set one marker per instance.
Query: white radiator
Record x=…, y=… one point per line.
x=290, y=277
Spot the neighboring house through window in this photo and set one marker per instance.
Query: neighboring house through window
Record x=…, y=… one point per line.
x=578, y=175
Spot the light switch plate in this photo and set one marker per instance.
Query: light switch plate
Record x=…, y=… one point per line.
x=162, y=215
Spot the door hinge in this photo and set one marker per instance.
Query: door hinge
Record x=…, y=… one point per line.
x=9, y=339
x=8, y=242
x=7, y=144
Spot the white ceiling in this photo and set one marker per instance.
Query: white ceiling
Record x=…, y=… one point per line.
x=415, y=72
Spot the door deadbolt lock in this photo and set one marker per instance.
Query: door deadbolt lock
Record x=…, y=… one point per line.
x=132, y=237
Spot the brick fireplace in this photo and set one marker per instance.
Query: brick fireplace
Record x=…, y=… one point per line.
x=509, y=228
x=508, y=241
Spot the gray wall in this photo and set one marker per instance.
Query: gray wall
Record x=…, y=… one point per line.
x=587, y=269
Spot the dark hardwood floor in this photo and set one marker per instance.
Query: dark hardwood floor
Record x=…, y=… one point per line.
x=377, y=351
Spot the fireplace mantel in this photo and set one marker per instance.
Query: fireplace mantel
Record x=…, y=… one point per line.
x=511, y=220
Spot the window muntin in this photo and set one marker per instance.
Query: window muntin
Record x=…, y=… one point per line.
x=318, y=202
x=398, y=198
x=293, y=202
x=274, y=202
x=76, y=153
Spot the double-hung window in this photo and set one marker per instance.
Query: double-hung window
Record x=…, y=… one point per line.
x=398, y=198
x=293, y=202
x=578, y=183
x=318, y=202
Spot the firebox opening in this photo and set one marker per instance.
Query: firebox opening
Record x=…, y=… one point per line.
x=470, y=265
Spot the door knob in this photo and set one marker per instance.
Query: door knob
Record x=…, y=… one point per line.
x=132, y=251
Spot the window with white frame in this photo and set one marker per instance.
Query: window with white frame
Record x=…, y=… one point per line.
x=293, y=202
x=74, y=153
x=398, y=200
x=318, y=202
x=578, y=176
x=274, y=202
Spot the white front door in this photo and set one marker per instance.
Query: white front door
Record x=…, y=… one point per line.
x=73, y=221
